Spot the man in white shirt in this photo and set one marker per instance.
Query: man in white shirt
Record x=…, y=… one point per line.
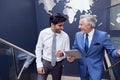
x=44, y=48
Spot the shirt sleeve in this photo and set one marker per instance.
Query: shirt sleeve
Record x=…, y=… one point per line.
x=67, y=45
x=38, y=51
x=109, y=46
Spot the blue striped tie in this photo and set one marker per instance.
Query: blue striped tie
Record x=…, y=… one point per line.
x=86, y=43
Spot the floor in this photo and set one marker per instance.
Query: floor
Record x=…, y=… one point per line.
x=65, y=78
x=68, y=78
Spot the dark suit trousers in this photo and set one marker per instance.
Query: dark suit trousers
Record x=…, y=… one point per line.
x=56, y=71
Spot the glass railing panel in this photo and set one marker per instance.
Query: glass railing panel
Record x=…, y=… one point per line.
x=7, y=64
x=114, y=31
x=14, y=61
x=116, y=61
x=23, y=61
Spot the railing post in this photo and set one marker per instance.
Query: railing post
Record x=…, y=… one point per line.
x=15, y=63
x=110, y=70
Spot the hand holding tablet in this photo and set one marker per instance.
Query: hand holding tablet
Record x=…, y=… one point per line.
x=74, y=53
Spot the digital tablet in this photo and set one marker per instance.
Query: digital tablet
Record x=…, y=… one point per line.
x=75, y=53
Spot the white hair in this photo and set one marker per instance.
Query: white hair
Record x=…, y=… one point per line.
x=89, y=19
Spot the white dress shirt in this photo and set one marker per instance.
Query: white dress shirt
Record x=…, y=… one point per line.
x=44, y=45
x=90, y=36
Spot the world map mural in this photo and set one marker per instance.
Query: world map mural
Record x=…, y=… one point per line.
x=71, y=7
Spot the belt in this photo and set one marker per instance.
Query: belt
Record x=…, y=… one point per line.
x=50, y=61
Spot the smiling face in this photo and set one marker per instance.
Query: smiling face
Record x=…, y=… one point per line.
x=84, y=26
x=57, y=28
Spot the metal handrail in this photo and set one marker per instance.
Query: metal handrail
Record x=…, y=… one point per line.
x=16, y=47
x=108, y=66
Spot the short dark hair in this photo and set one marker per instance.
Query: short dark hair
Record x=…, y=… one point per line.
x=56, y=18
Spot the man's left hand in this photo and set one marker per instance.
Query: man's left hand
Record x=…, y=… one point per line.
x=118, y=53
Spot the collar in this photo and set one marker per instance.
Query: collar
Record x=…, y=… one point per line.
x=90, y=33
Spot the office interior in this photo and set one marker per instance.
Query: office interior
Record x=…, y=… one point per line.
x=22, y=20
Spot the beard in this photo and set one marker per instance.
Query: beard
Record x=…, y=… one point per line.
x=58, y=31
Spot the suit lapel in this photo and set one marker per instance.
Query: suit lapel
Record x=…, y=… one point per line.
x=81, y=42
x=94, y=39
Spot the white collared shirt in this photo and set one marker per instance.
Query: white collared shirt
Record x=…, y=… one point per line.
x=90, y=36
x=44, y=45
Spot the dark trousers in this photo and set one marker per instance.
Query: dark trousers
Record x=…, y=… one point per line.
x=55, y=71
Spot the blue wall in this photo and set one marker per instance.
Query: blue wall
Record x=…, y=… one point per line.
x=18, y=26
x=18, y=23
